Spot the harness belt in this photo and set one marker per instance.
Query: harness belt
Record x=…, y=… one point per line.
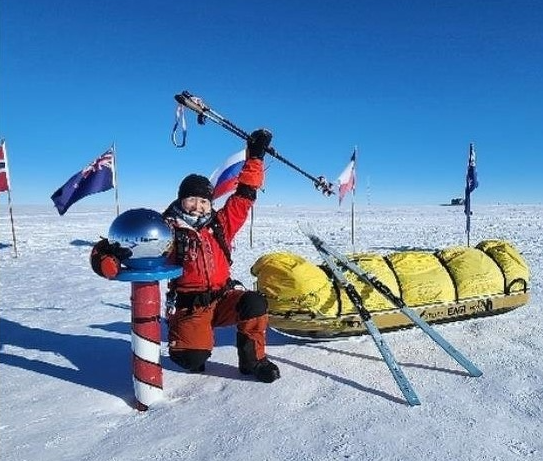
x=205, y=298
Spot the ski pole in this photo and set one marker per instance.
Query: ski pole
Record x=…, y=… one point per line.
x=205, y=112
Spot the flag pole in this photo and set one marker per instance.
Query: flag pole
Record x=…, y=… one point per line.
x=12, y=223
x=352, y=198
x=468, y=220
x=467, y=209
x=467, y=229
x=113, y=149
x=251, y=226
x=471, y=184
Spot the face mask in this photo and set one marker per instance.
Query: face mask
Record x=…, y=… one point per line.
x=196, y=221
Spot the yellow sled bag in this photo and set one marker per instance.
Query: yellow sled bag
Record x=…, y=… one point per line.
x=516, y=272
x=450, y=283
x=294, y=285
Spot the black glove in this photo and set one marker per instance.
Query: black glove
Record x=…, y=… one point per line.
x=106, y=258
x=258, y=142
x=171, y=299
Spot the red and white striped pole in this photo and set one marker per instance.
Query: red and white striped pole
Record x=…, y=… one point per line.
x=146, y=336
x=148, y=237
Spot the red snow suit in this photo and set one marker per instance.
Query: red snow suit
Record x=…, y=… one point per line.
x=205, y=298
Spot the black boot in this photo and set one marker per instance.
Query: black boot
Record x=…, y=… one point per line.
x=192, y=360
x=262, y=369
x=266, y=371
x=199, y=369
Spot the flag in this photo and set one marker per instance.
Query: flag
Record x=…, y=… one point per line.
x=471, y=184
x=98, y=176
x=4, y=171
x=347, y=179
x=225, y=178
x=471, y=176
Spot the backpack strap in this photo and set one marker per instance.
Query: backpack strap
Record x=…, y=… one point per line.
x=218, y=232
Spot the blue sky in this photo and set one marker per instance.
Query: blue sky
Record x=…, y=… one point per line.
x=411, y=83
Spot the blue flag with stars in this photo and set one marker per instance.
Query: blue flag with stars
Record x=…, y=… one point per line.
x=471, y=184
x=96, y=177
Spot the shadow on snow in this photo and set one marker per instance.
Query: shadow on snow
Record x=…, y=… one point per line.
x=100, y=363
x=105, y=364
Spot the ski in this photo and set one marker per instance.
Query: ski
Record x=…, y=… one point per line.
x=205, y=112
x=323, y=247
x=397, y=373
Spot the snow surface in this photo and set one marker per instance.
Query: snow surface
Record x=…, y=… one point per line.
x=66, y=384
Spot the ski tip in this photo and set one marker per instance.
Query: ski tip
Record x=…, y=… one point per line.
x=476, y=373
x=411, y=397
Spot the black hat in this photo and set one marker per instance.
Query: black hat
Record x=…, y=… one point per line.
x=195, y=185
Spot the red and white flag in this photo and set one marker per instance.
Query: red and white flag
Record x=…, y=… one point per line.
x=347, y=179
x=4, y=171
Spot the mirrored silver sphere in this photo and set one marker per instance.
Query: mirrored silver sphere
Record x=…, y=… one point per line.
x=143, y=231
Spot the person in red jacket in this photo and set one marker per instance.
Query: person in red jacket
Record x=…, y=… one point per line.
x=204, y=296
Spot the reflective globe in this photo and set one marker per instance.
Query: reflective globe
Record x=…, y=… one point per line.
x=143, y=231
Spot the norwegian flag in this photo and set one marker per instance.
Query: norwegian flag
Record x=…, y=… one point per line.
x=4, y=172
x=98, y=176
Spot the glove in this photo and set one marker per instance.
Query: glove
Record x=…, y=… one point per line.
x=106, y=258
x=258, y=142
x=171, y=296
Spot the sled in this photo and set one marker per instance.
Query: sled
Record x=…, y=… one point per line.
x=452, y=284
x=310, y=326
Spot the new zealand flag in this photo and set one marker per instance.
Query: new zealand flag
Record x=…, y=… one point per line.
x=98, y=176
